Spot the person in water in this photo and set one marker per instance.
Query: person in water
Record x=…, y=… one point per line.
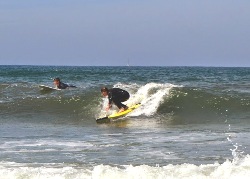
x=60, y=85
x=116, y=96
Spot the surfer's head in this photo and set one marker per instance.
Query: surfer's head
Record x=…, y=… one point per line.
x=57, y=81
x=104, y=91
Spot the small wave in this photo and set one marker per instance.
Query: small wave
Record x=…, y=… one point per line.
x=184, y=105
x=226, y=170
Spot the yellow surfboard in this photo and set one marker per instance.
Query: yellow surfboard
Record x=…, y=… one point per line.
x=117, y=114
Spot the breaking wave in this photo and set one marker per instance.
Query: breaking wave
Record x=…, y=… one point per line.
x=159, y=100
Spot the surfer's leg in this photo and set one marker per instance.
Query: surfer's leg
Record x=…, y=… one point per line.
x=118, y=103
x=117, y=100
x=124, y=108
x=124, y=97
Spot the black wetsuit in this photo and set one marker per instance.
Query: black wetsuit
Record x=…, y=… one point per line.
x=64, y=86
x=117, y=96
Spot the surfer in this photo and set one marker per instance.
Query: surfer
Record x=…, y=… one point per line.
x=116, y=96
x=61, y=85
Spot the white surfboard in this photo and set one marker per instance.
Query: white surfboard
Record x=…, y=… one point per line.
x=47, y=88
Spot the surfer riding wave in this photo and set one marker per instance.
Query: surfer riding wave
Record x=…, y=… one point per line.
x=116, y=96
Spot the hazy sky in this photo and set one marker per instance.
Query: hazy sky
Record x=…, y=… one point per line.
x=113, y=32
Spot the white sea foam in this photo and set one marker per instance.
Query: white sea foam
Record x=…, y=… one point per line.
x=13, y=170
x=226, y=170
x=150, y=96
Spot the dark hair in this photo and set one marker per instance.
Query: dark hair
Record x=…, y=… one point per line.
x=104, y=89
x=57, y=79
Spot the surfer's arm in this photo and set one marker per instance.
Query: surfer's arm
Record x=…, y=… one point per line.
x=110, y=98
x=108, y=107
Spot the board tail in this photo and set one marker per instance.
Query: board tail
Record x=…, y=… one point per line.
x=103, y=120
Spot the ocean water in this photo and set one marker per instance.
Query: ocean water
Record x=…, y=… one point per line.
x=194, y=122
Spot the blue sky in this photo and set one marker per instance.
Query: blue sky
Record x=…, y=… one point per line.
x=113, y=32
